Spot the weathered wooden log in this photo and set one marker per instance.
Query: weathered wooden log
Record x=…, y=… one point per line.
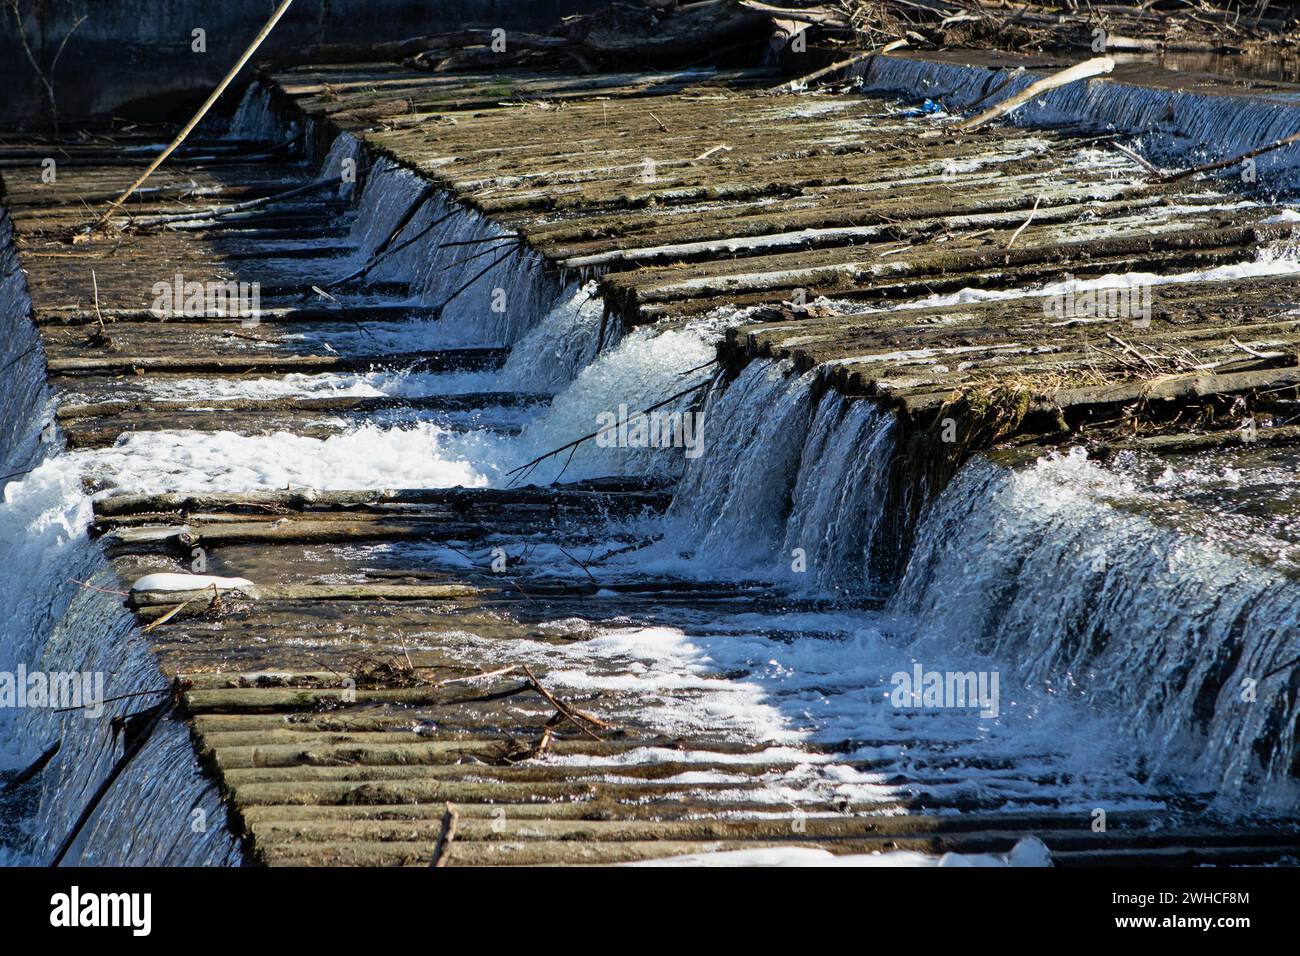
x=472, y=401
x=275, y=700
x=315, y=592
x=598, y=490
x=212, y=213
x=1188, y=443
x=440, y=361
x=688, y=33
x=265, y=316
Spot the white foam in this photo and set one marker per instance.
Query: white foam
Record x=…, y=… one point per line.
x=1029, y=851
x=188, y=582
x=421, y=456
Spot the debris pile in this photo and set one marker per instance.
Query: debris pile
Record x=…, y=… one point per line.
x=1150, y=26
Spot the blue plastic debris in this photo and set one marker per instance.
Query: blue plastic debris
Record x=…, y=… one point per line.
x=927, y=108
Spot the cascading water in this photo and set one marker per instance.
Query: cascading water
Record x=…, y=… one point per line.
x=1172, y=122
x=1059, y=567
x=791, y=489
x=792, y=484
x=489, y=289
x=1045, y=573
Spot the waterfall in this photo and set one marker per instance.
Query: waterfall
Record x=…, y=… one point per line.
x=838, y=508
x=1172, y=122
x=1056, y=567
x=792, y=486
x=490, y=288
x=732, y=503
x=1044, y=571
x=645, y=368
x=26, y=398
x=256, y=119
x=567, y=340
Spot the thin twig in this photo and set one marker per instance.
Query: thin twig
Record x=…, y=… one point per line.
x=203, y=110
x=109, y=700
x=1225, y=163
x=585, y=569
x=133, y=748
x=1281, y=667
x=499, y=672
x=438, y=309
x=449, y=820
x=217, y=212
x=101, y=590
x=528, y=466
x=575, y=717
x=1140, y=160
x=381, y=251
x=33, y=768
x=1016, y=235
x=1249, y=351
x=1131, y=350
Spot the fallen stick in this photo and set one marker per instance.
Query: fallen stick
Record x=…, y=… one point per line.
x=1281, y=667
x=1006, y=81
x=816, y=16
x=92, y=587
x=480, y=241
x=424, y=196
x=585, y=569
x=1080, y=71
x=393, y=250
x=19, y=474
x=18, y=358
x=448, y=833
x=203, y=111
x=165, y=618
x=1255, y=352
x=709, y=152
x=216, y=212
x=1024, y=225
x=35, y=767
x=110, y=700
x=499, y=672
x=1140, y=160
x=574, y=717
x=98, y=314
x=1225, y=163
x=1131, y=350
x=438, y=309
x=477, y=255
x=803, y=81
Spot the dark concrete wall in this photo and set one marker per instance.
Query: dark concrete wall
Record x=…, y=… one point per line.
x=129, y=50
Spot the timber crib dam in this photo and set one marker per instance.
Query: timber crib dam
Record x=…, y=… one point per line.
x=353, y=698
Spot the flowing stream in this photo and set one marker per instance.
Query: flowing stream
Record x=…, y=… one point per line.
x=1121, y=637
